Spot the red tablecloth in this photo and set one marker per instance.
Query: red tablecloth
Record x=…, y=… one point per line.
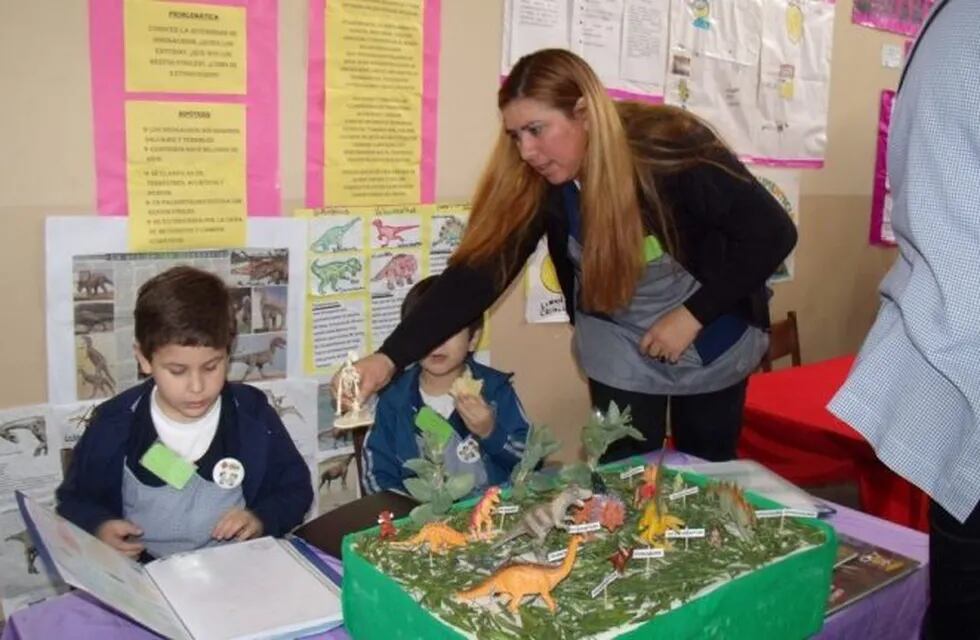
x=787, y=427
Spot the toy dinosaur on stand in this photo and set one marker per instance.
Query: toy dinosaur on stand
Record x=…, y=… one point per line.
x=522, y=579
x=481, y=518
x=540, y=519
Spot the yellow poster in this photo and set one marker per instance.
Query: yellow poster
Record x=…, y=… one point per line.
x=373, y=109
x=362, y=261
x=185, y=175
x=178, y=47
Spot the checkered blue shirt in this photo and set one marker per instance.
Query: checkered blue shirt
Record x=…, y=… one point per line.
x=914, y=392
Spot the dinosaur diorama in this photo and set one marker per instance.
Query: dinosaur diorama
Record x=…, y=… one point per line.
x=35, y=425
x=333, y=238
x=489, y=579
x=399, y=271
x=258, y=360
x=332, y=273
x=388, y=233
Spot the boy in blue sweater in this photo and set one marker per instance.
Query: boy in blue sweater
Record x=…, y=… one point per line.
x=186, y=459
x=487, y=429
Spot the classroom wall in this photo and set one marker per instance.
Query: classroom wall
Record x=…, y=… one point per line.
x=46, y=167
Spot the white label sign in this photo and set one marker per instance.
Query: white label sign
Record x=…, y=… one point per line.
x=605, y=583
x=587, y=527
x=769, y=513
x=800, y=513
x=505, y=509
x=641, y=554
x=690, y=491
x=685, y=533
x=629, y=473
x=555, y=556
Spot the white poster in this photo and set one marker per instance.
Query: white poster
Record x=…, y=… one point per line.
x=29, y=459
x=545, y=302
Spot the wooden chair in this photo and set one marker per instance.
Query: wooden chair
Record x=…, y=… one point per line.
x=784, y=340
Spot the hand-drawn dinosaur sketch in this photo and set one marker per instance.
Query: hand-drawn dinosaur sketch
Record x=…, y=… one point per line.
x=400, y=270
x=333, y=272
x=450, y=234
x=388, y=233
x=333, y=237
x=259, y=359
x=34, y=424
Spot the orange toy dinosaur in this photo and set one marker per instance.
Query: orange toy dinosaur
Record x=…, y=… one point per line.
x=481, y=518
x=525, y=579
x=438, y=536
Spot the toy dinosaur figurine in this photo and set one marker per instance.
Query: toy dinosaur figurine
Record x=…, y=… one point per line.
x=621, y=558
x=647, y=488
x=522, y=579
x=732, y=502
x=655, y=523
x=388, y=529
x=607, y=510
x=542, y=518
x=439, y=537
x=481, y=518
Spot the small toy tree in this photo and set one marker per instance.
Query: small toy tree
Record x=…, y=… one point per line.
x=432, y=486
x=602, y=430
x=540, y=444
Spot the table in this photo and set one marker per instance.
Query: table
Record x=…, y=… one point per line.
x=893, y=613
x=786, y=426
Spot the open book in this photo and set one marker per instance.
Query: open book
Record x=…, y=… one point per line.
x=262, y=588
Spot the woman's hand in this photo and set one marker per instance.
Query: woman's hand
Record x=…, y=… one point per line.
x=670, y=335
x=375, y=370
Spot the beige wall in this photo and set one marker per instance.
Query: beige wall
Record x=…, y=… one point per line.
x=46, y=166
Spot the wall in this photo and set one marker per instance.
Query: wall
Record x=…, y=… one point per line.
x=46, y=167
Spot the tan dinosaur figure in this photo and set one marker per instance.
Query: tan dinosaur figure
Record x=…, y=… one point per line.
x=525, y=579
x=654, y=524
x=438, y=536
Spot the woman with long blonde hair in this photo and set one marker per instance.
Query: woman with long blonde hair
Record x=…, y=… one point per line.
x=661, y=239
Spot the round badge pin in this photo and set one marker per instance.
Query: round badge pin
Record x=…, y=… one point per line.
x=468, y=451
x=228, y=473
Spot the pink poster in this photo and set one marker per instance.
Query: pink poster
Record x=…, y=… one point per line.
x=898, y=16
x=881, y=200
x=317, y=118
x=165, y=43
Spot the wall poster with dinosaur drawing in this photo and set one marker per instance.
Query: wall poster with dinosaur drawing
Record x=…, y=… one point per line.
x=23, y=580
x=27, y=462
x=336, y=476
x=92, y=285
x=361, y=263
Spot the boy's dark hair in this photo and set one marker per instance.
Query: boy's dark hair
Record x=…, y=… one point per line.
x=187, y=307
x=418, y=291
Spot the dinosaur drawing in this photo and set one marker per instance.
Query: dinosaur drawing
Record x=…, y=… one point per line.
x=259, y=359
x=400, y=270
x=278, y=404
x=98, y=361
x=450, y=233
x=30, y=551
x=540, y=519
x=333, y=237
x=89, y=317
x=34, y=424
x=332, y=273
x=272, y=270
x=336, y=468
x=273, y=314
x=520, y=579
x=101, y=387
x=481, y=518
x=388, y=233
x=91, y=283
x=439, y=537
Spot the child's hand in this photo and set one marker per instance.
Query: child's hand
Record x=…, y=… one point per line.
x=240, y=524
x=117, y=534
x=476, y=414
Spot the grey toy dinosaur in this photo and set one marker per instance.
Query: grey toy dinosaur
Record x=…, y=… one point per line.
x=540, y=519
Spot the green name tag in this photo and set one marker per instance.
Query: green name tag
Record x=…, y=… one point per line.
x=651, y=249
x=428, y=420
x=168, y=466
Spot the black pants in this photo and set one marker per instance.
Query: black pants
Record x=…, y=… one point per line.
x=704, y=425
x=954, y=576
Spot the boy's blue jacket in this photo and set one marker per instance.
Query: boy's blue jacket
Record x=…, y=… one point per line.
x=392, y=439
x=277, y=486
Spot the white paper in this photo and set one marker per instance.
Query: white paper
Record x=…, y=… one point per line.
x=29, y=454
x=545, y=302
x=338, y=328
x=585, y=527
x=295, y=402
x=537, y=24
x=23, y=579
x=224, y=592
x=596, y=35
x=644, y=49
x=70, y=236
x=643, y=554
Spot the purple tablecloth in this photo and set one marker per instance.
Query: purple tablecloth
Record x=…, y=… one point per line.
x=893, y=613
